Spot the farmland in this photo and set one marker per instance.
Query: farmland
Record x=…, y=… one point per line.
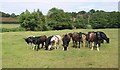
x=9, y=25
x=17, y=54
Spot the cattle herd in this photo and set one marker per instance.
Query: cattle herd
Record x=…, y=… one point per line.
x=91, y=39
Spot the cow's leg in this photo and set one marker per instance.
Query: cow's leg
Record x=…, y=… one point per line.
x=89, y=44
x=98, y=47
x=73, y=43
x=49, y=47
x=42, y=45
x=63, y=48
x=92, y=43
x=37, y=47
x=98, y=44
x=79, y=45
x=34, y=47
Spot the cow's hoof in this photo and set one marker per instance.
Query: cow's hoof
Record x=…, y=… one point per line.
x=98, y=50
x=91, y=49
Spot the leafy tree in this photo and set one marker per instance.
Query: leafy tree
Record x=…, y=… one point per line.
x=32, y=21
x=57, y=19
x=81, y=21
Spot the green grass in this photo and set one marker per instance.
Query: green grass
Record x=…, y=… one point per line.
x=17, y=54
x=9, y=25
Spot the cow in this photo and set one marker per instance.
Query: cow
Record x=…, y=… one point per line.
x=48, y=42
x=53, y=41
x=96, y=38
x=36, y=40
x=102, y=37
x=84, y=35
x=66, y=40
x=29, y=40
x=76, y=37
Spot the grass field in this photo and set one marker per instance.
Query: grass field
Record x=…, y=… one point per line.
x=17, y=54
x=9, y=25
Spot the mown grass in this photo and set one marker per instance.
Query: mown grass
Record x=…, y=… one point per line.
x=17, y=54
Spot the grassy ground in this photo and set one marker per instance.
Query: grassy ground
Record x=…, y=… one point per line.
x=17, y=54
x=10, y=25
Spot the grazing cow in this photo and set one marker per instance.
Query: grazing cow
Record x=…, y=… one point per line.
x=103, y=36
x=29, y=40
x=48, y=42
x=76, y=37
x=66, y=40
x=53, y=41
x=97, y=38
x=92, y=38
x=36, y=41
x=84, y=39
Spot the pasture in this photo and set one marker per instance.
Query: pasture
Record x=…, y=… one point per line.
x=9, y=25
x=17, y=54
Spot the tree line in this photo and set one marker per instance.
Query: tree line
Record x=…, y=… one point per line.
x=13, y=15
x=57, y=19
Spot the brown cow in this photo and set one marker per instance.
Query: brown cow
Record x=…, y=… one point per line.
x=76, y=37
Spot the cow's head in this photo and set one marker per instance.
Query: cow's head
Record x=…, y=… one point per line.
x=66, y=40
x=80, y=33
x=28, y=40
x=107, y=40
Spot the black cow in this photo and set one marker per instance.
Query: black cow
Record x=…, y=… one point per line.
x=66, y=40
x=29, y=40
x=102, y=36
x=48, y=42
x=36, y=41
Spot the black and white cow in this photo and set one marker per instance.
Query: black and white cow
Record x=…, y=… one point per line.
x=36, y=40
x=53, y=41
x=48, y=42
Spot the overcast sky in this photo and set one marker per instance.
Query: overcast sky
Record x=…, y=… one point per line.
x=18, y=6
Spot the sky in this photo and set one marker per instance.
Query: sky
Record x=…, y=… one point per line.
x=19, y=6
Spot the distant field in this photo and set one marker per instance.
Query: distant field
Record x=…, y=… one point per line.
x=9, y=25
x=17, y=54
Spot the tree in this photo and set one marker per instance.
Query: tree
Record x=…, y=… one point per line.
x=57, y=19
x=81, y=20
x=32, y=21
x=92, y=11
x=13, y=15
x=99, y=20
x=81, y=12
